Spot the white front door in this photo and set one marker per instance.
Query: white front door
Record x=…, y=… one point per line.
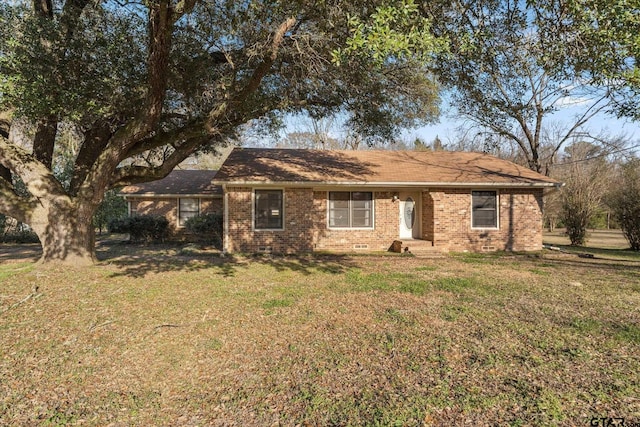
x=408, y=218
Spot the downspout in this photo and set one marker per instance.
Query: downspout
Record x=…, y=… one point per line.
x=225, y=224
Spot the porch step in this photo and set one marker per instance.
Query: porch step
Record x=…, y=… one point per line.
x=422, y=248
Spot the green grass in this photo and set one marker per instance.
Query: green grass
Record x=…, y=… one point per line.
x=454, y=284
x=11, y=269
x=629, y=333
x=611, y=254
x=497, y=339
x=605, y=244
x=277, y=303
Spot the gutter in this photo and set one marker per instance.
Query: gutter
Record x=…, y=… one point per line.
x=184, y=196
x=557, y=187
x=225, y=220
x=389, y=184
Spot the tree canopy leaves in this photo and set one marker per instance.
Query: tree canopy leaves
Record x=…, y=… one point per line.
x=145, y=85
x=596, y=39
x=503, y=80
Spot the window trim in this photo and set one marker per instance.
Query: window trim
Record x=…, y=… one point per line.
x=373, y=210
x=178, y=222
x=253, y=209
x=130, y=211
x=497, y=210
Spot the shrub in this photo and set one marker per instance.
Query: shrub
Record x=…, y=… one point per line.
x=13, y=231
x=112, y=207
x=19, y=236
x=142, y=228
x=576, y=216
x=119, y=225
x=208, y=225
x=624, y=201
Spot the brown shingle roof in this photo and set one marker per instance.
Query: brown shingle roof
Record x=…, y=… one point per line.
x=374, y=167
x=178, y=182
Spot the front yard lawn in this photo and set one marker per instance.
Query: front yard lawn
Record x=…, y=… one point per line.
x=171, y=339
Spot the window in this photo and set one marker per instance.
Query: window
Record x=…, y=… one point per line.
x=133, y=208
x=350, y=209
x=187, y=208
x=268, y=210
x=484, y=213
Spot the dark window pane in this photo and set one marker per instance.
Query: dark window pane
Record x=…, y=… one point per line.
x=268, y=209
x=350, y=209
x=361, y=218
x=484, y=219
x=358, y=195
x=486, y=201
x=484, y=213
x=339, y=218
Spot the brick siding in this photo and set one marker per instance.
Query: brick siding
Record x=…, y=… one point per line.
x=385, y=231
x=296, y=236
x=520, y=221
x=446, y=220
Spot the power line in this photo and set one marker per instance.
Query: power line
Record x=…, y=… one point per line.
x=597, y=157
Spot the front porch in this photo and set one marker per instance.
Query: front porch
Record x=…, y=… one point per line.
x=420, y=248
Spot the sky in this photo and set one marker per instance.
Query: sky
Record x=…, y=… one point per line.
x=447, y=128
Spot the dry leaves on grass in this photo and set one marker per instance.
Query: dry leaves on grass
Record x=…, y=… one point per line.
x=482, y=340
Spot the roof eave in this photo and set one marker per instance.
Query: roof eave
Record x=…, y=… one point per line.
x=540, y=184
x=172, y=195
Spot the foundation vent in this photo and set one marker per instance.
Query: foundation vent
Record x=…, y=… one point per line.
x=360, y=246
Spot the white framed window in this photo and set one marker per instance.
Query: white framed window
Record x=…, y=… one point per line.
x=268, y=209
x=484, y=209
x=133, y=207
x=350, y=209
x=187, y=208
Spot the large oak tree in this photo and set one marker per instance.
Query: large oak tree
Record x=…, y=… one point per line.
x=597, y=40
x=147, y=84
x=511, y=65
x=503, y=79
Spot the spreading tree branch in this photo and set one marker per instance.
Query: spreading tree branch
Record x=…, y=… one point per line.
x=45, y=139
x=37, y=177
x=44, y=8
x=256, y=78
x=158, y=139
x=95, y=140
x=14, y=205
x=161, y=20
x=47, y=127
x=128, y=175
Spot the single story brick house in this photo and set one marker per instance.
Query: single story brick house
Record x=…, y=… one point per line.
x=179, y=196
x=295, y=200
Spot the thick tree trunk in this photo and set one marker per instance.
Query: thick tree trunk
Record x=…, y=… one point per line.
x=66, y=234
